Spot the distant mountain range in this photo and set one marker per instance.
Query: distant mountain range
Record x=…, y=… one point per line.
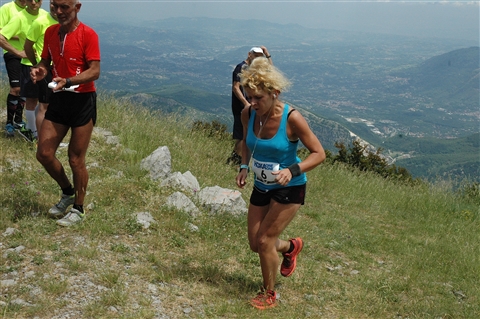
x=449, y=83
x=377, y=87
x=389, y=90
x=450, y=76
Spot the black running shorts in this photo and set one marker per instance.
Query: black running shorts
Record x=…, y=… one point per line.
x=13, y=66
x=38, y=90
x=283, y=195
x=72, y=109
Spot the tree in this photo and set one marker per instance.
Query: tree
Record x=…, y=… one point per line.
x=358, y=157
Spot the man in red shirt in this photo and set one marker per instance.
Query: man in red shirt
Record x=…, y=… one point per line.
x=75, y=51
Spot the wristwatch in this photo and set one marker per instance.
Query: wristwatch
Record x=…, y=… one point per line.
x=244, y=166
x=68, y=83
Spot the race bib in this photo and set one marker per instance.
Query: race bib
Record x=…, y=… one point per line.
x=263, y=171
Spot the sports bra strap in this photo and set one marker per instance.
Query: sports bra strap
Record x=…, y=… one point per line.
x=290, y=112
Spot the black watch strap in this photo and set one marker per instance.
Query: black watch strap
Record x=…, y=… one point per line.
x=68, y=83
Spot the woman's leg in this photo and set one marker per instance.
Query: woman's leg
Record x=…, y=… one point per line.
x=265, y=224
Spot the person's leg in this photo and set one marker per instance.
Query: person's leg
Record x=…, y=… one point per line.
x=77, y=151
x=238, y=147
x=14, y=91
x=29, y=91
x=30, y=106
x=44, y=95
x=12, y=65
x=236, y=156
x=50, y=137
x=268, y=244
x=255, y=217
x=19, y=111
x=42, y=108
x=12, y=103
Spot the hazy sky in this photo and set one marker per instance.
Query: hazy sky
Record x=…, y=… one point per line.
x=452, y=19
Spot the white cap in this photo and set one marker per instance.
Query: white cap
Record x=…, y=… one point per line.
x=256, y=50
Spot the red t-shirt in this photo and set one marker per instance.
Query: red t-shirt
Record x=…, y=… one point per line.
x=79, y=47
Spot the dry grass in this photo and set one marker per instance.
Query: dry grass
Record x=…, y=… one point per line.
x=374, y=249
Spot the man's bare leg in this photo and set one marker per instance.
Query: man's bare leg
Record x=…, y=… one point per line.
x=77, y=151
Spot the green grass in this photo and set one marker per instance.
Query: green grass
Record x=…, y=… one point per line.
x=373, y=248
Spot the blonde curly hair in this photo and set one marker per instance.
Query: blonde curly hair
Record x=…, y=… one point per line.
x=263, y=76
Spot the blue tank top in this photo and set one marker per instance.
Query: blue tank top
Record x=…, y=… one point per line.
x=272, y=154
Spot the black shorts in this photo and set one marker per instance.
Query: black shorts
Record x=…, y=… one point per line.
x=237, y=127
x=72, y=109
x=38, y=90
x=13, y=66
x=283, y=195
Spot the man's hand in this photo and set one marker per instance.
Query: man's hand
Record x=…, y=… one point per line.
x=37, y=73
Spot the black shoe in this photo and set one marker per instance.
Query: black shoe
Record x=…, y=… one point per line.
x=237, y=159
x=27, y=134
x=229, y=160
x=234, y=159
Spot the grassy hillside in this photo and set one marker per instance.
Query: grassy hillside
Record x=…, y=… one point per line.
x=201, y=105
x=373, y=248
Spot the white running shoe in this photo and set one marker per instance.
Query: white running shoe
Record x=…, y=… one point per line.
x=73, y=217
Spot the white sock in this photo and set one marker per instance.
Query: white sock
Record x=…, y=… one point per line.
x=31, y=125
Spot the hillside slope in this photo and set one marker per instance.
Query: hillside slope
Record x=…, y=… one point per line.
x=377, y=86
x=373, y=248
x=452, y=77
x=336, y=74
x=204, y=106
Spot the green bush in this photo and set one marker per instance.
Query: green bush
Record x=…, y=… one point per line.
x=213, y=129
x=358, y=157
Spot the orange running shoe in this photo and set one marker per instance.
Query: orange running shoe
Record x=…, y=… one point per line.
x=265, y=299
x=289, y=262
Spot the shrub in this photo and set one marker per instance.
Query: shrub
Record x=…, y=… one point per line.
x=212, y=129
x=471, y=191
x=357, y=156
